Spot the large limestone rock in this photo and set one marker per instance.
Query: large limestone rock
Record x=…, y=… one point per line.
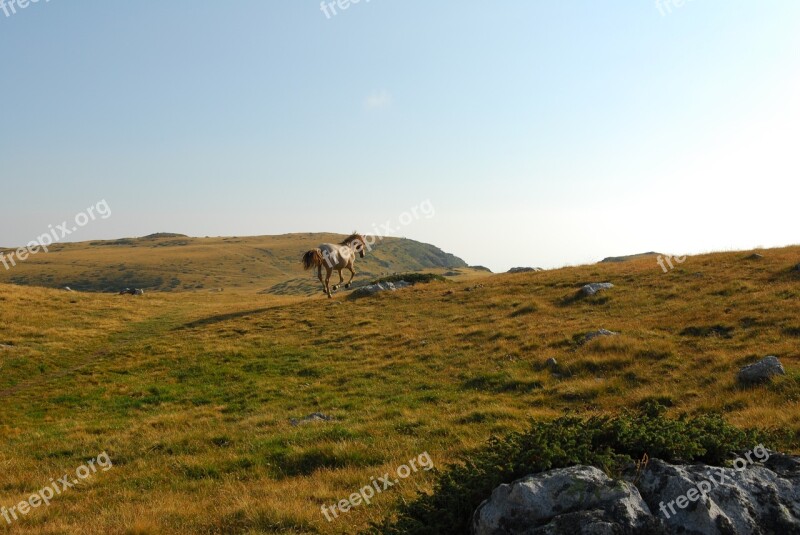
x=757, y=499
x=576, y=500
x=760, y=495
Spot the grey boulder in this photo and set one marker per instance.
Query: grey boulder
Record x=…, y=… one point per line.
x=591, y=289
x=597, y=334
x=575, y=500
x=759, y=496
x=373, y=289
x=762, y=371
x=759, y=499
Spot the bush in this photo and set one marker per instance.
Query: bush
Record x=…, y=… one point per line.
x=609, y=443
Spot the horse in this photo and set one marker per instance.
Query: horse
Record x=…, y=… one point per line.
x=338, y=257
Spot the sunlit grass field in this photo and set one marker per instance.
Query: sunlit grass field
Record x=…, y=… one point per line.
x=193, y=395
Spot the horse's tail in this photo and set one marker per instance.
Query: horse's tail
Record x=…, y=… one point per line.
x=312, y=258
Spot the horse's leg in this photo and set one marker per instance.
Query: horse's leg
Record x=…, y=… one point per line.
x=352, y=274
x=341, y=280
x=328, y=281
x=319, y=274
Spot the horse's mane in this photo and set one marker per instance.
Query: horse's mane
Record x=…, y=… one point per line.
x=355, y=236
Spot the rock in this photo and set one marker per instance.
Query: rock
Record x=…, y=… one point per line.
x=373, y=289
x=615, y=259
x=524, y=269
x=552, y=363
x=797, y=268
x=759, y=498
x=760, y=495
x=762, y=371
x=591, y=289
x=755, y=256
x=67, y=288
x=313, y=417
x=473, y=288
x=576, y=500
x=596, y=334
x=129, y=291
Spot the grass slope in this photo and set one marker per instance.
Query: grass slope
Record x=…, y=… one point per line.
x=169, y=262
x=193, y=394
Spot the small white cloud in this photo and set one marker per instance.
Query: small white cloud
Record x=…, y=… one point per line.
x=378, y=101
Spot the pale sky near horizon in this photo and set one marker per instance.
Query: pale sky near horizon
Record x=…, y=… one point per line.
x=543, y=133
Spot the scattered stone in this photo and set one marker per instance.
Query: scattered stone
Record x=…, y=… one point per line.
x=592, y=289
x=6, y=346
x=473, y=288
x=129, y=291
x=67, y=288
x=762, y=371
x=596, y=334
x=373, y=289
x=552, y=363
x=575, y=500
x=755, y=256
x=313, y=417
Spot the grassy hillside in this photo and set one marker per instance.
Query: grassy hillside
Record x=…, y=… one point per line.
x=199, y=398
x=170, y=262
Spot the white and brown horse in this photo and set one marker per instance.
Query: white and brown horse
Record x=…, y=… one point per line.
x=335, y=257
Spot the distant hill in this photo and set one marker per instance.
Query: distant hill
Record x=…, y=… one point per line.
x=628, y=258
x=175, y=262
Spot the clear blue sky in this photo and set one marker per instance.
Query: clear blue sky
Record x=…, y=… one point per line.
x=542, y=132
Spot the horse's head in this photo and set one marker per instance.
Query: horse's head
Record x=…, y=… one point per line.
x=357, y=243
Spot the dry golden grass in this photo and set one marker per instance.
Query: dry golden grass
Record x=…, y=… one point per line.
x=192, y=394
